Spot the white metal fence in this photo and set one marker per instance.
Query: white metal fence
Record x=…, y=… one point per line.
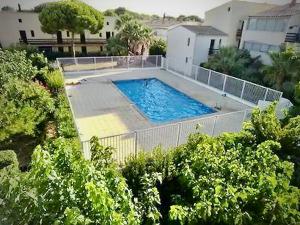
x=170, y=135
x=233, y=86
x=110, y=62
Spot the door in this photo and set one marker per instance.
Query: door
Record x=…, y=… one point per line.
x=211, y=46
x=59, y=37
x=82, y=38
x=23, y=36
x=107, y=35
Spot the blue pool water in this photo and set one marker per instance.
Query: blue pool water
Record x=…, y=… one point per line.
x=160, y=102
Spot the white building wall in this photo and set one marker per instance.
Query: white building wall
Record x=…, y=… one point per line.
x=202, y=47
x=268, y=37
x=10, y=27
x=177, y=47
x=229, y=16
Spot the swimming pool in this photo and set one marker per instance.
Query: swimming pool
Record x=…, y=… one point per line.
x=159, y=102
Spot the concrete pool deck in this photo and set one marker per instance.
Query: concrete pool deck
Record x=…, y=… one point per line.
x=100, y=109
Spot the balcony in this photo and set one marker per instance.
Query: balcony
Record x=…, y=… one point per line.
x=65, y=42
x=292, y=37
x=212, y=51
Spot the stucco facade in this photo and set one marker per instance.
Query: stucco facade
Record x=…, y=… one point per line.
x=186, y=47
x=12, y=23
x=270, y=30
x=229, y=17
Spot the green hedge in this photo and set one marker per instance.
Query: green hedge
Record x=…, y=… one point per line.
x=7, y=158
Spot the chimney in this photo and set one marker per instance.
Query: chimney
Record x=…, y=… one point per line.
x=164, y=17
x=19, y=7
x=293, y=3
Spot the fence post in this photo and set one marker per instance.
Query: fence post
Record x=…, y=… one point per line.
x=178, y=133
x=135, y=143
x=244, y=84
x=209, y=75
x=213, y=131
x=112, y=62
x=196, y=75
x=142, y=61
x=162, y=62
x=128, y=58
x=94, y=63
x=156, y=61
x=245, y=114
x=76, y=63
x=265, y=97
x=224, y=83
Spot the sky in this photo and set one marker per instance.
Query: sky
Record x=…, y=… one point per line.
x=170, y=7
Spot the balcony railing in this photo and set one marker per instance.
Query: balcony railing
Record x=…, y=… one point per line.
x=53, y=42
x=212, y=51
x=292, y=37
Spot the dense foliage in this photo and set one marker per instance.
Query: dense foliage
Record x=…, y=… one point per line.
x=134, y=35
x=158, y=47
x=63, y=188
x=116, y=47
x=237, y=178
x=284, y=72
x=24, y=104
x=72, y=15
x=8, y=158
x=235, y=62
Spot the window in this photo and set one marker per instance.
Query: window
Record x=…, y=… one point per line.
x=251, y=24
x=107, y=23
x=68, y=34
x=260, y=47
x=186, y=59
x=100, y=34
x=220, y=43
x=101, y=48
x=261, y=24
x=112, y=34
x=20, y=20
x=188, y=41
x=70, y=49
x=228, y=9
x=83, y=50
x=32, y=33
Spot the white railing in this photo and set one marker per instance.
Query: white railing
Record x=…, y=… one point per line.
x=170, y=135
x=235, y=87
x=110, y=62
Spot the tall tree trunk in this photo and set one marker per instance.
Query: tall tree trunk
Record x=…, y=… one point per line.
x=73, y=44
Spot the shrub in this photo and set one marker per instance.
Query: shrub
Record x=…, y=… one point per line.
x=158, y=47
x=63, y=188
x=7, y=158
x=64, y=118
x=23, y=106
x=54, y=80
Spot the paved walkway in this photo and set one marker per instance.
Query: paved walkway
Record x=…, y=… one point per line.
x=100, y=109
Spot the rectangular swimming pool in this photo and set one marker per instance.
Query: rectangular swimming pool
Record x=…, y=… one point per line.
x=161, y=102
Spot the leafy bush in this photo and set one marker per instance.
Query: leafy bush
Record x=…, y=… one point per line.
x=23, y=106
x=7, y=158
x=236, y=178
x=158, y=47
x=63, y=116
x=63, y=188
x=54, y=80
x=15, y=64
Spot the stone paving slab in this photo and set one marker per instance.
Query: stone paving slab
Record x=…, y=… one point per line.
x=101, y=109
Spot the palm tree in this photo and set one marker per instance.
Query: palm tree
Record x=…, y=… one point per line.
x=134, y=34
x=285, y=67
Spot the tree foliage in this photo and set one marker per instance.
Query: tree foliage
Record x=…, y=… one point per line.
x=235, y=62
x=63, y=188
x=284, y=70
x=236, y=178
x=72, y=15
x=158, y=47
x=116, y=46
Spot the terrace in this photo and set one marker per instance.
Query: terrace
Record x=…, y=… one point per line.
x=101, y=109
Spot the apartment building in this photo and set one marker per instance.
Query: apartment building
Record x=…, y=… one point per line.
x=192, y=44
x=24, y=27
x=271, y=29
x=230, y=17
